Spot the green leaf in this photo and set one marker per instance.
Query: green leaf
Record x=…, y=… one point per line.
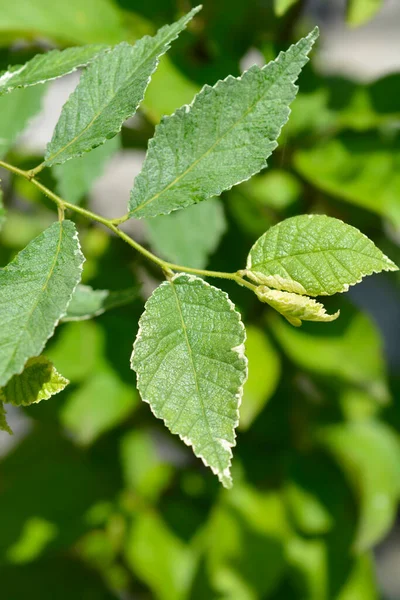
x=15, y=111
x=293, y=307
x=38, y=381
x=109, y=92
x=358, y=168
x=76, y=177
x=369, y=453
x=264, y=373
x=159, y=558
x=361, y=583
x=361, y=11
x=101, y=403
x=36, y=288
x=87, y=303
x=315, y=255
x=247, y=530
x=224, y=137
x=308, y=565
x=146, y=472
x=189, y=236
x=282, y=6
x=353, y=355
x=190, y=364
x=3, y=420
x=44, y=67
x=76, y=21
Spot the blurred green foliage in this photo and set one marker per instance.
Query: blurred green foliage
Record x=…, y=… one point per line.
x=97, y=500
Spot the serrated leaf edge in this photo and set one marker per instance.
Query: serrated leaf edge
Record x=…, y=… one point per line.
x=8, y=74
x=48, y=161
x=224, y=476
x=188, y=107
x=295, y=286
x=77, y=252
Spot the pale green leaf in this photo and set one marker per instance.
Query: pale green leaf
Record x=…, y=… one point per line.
x=315, y=255
x=354, y=355
x=38, y=381
x=308, y=565
x=36, y=288
x=360, y=169
x=188, y=237
x=78, y=350
x=109, y=92
x=246, y=531
x=293, y=307
x=190, y=365
x=76, y=21
x=264, y=373
x=224, y=137
x=282, y=6
x=15, y=111
x=369, y=454
x=361, y=583
x=361, y=11
x=44, y=67
x=87, y=303
x=101, y=403
x=35, y=536
x=146, y=471
x=3, y=420
x=159, y=558
x=76, y=177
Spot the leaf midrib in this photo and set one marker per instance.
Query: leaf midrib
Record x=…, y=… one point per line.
x=279, y=258
x=184, y=329
x=225, y=134
x=44, y=287
x=104, y=107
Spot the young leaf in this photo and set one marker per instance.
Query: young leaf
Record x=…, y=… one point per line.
x=188, y=237
x=293, y=307
x=110, y=91
x=87, y=303
x=224, y=137
x=76, y=177
x=15, y=112
x=44, y=67
x=38, y=381
x=36, y=288
x=3, y=420
x=190, y=365
x=315, y=255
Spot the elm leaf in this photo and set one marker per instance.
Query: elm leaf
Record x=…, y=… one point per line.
x=38, y=381
x=190, y=366
x=224, y=137
x=188, y=237
x=109, y=92
x=293, y=307
x=44, y=67
x=35, y=290
x=315, y=255
x=87, y=303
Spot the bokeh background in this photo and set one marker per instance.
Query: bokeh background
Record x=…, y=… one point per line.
x=97, y=500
